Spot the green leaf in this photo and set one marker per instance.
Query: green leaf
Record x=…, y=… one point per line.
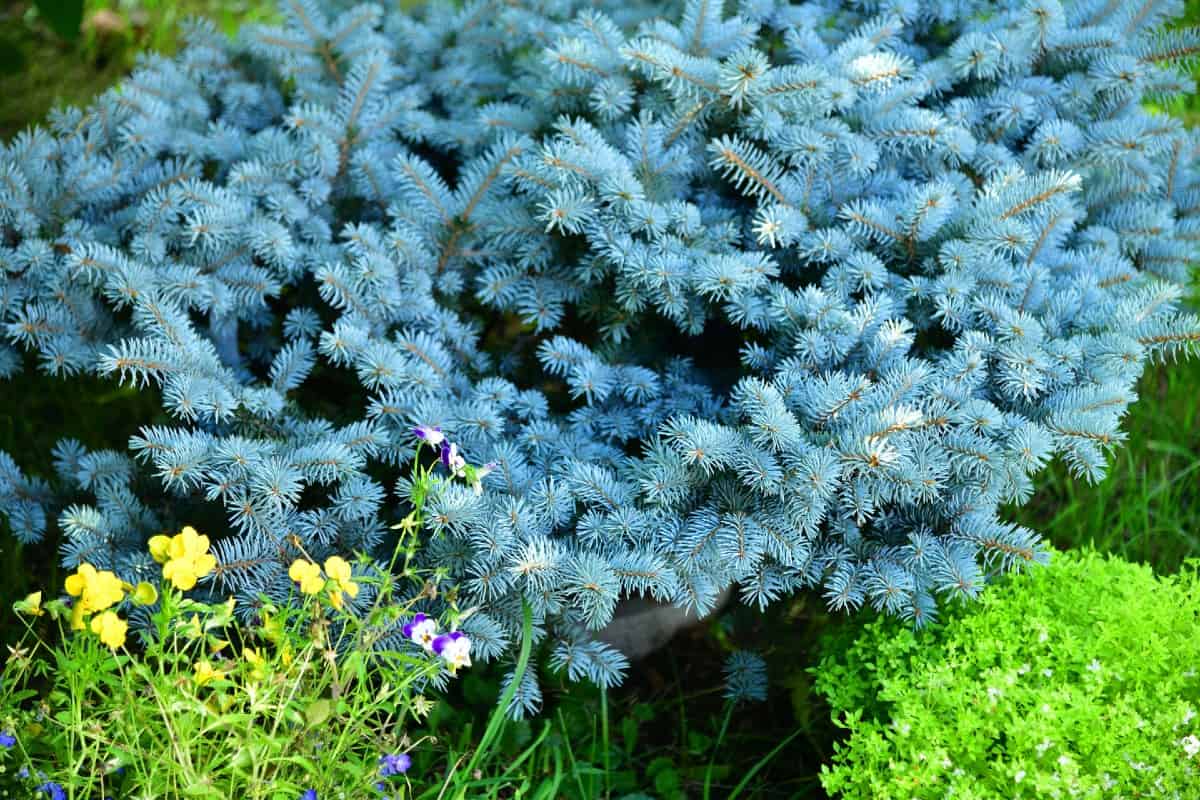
x=625, y=780
x=643, y=712
x=698, y=742
x=629, y=732
x=667, y=781
x=317, y=712
x=64, y=17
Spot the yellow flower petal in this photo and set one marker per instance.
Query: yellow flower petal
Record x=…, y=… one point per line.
x=75, y=585
x=187, y=558
x=179, y=573
x=106, y=590
x=205, y=673
x=204, y=564
x=337, y=568
x=159, y=545
x=77, y=612
x=110, y=628
x=307, y=574
x=84, y=576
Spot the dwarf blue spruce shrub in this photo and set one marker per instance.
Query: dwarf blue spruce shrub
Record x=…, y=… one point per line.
x=774, y=297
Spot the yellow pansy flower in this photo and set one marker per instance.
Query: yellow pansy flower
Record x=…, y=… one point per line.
x=110, y=628
x=339, y=571
x=188, y=559
x=205, y=672
x=96, y=592
x=307, y=574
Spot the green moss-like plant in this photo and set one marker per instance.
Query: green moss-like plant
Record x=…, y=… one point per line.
x=1079, y=680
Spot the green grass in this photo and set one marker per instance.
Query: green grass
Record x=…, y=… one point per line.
x=39, y=71
x=1147, y=509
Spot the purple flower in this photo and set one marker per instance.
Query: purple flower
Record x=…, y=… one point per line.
x=455, y=648
x=451, y=459
x=55, y=790
x=309, y=794
x=421, y=630
x=7, y=740
x=23, y=773
x=439, y=644
x=394, y=764
x=430, y=435
x=413, y=623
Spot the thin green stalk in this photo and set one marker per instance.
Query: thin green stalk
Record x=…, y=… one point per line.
x=282, y=708
x=762, y=762
x=682, y=701
x=716, y=749
x=528, y=752
x=500, y=715
x=137, y=752
x=604, y=739
x=570, y=753
x=550, y=792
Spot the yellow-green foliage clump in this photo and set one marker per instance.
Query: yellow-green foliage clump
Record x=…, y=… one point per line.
x=1078, y=680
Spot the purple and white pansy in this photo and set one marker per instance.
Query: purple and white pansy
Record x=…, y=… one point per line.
x=452, y=459
x=422, y=630
x=430, y=434
x=454, y=647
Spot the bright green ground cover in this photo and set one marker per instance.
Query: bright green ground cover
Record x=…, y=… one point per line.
x=662, y=728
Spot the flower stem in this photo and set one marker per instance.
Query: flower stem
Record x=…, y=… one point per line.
x=716, y=748
x=500, y=715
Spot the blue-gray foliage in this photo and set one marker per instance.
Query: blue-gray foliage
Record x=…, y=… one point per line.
x=772, y=297
x=745, y=677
